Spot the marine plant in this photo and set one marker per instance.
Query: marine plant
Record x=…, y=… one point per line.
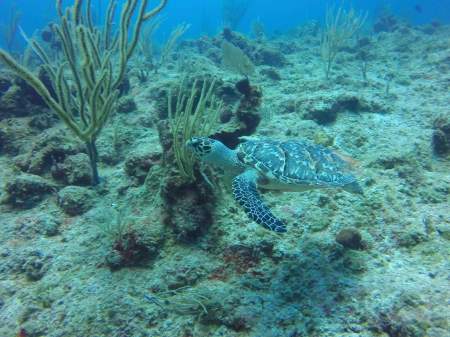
x=183, y=300
x=129, y=240
x=233, y=11
x=234, y=59
x=258, y=30
x=169, y=46
x=196, y=114
x=143, y=75
x=9, y=30
x=147, y=45
x=340, y=26
x=388, y=78
x=86, y=86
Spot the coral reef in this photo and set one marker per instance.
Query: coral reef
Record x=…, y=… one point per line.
x=150, y=251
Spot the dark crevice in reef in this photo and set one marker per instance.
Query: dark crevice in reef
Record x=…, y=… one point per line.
x=244, y=120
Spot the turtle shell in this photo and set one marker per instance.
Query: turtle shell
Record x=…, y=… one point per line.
x=295, y=162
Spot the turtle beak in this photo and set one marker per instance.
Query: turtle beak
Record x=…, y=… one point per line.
x=200, y=146
x=194, y=145
x=191, y=143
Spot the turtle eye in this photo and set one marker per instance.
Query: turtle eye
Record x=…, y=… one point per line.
x=200, y=146
x=205, y=148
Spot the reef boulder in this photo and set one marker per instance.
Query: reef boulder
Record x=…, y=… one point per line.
x=75, y=200
x=26, y=190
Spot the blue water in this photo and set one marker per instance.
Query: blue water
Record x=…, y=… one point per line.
x=205, y=16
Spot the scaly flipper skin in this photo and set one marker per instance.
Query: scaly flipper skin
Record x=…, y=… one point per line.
x=246, y=194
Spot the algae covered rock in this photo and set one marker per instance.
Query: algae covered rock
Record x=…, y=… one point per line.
x=75, y=170
x=188, y=207
x=35, y=266
x=441, y=136
x=13, y=135
x=350, y=238
x=75, y=200
x=43, y=121
x=26, y=190
x=38, y=225
x=231, y=307
x=134, y=244
x=32, y=263
x=184, y=271
x=444, y=230
x=138, y=164
x=324, y=109
x=240, y=116
x=269, y=56
x=126, y=104
x=129, y=250
x=355, y=262
x=386, y=23
x=271, y=73
x=17, y=98
x=408, y=316
x=50, y=150
x=410, y=237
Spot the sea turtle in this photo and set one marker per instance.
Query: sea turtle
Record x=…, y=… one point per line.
x=292, y=165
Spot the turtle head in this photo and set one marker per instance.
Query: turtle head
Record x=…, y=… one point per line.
x=203, y=147
x=212, y=151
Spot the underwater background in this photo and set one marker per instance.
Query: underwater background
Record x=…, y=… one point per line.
x=225, y=168
x=207, y=16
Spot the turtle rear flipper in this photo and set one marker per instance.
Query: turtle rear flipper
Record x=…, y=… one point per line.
x=354, y=188
x=246, y=194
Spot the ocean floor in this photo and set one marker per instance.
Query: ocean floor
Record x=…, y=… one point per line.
x=144, y=254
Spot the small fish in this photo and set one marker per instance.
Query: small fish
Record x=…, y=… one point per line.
x=418, y=8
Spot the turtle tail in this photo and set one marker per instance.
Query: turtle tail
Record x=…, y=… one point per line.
x=246, y=194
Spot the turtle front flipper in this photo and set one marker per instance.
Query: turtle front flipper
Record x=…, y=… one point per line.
x=246, y=194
